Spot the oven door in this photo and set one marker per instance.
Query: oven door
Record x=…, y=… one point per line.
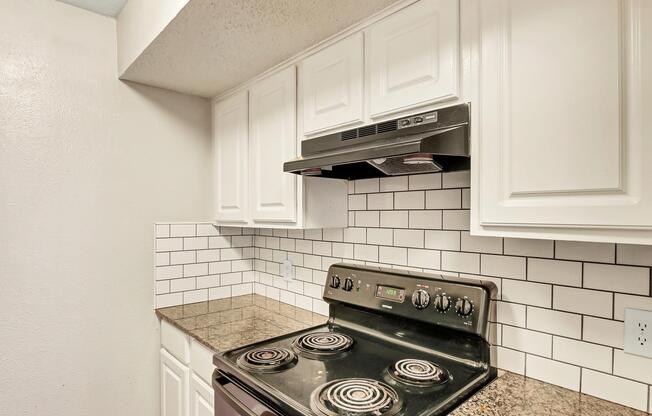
x=232, y=400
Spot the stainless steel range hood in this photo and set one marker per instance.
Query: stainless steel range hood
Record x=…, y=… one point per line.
x=423, y=143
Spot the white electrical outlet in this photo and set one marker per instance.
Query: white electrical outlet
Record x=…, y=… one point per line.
x=287, y=270
x=638, y=332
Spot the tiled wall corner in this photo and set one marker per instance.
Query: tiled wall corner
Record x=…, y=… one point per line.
x=199, y=262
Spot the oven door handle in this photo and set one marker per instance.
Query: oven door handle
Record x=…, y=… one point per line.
x=220, y=381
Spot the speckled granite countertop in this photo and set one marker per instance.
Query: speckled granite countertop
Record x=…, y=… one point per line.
x=515, y=395
x=231, y=323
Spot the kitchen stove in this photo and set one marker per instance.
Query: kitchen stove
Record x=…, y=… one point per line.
x=396, y=343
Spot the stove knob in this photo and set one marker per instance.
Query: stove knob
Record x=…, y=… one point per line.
x=335, y=281
x=420, y=299
x=348, y=284
x=463, y=307
x=442, y=303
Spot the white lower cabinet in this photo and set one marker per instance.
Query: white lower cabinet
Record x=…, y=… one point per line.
x=186, y=375
x=201, y=398
x=174, y=386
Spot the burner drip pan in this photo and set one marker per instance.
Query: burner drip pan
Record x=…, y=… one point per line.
x=267, y=360
x=355, y=397
x=418, y=372
x=320, y=344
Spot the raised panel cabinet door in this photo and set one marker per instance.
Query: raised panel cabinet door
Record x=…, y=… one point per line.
x=231, y=158
x=201, y=398
x=331, y=83
x=273, y=141
x=413, y=57
x=560, y=141
x=174, y=386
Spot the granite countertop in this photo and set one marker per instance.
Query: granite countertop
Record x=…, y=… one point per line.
x=225, y=324
x=231, y=323
x=515, y=395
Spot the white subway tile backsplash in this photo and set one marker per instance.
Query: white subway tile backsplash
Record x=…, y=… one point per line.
x=242, y=289
x=454, y=261
x=393, y=219
x=365, y=252
x=426, y=181
x=502, y=266
x=380, y=201
x=206, y=230
x=322, y=248
x=603, y=331
x=192, y=296
x=630, y=301
x=183, y=257
x=393, y=255
x=529, y=247
x=195, y=243
x=554, y=372
x=367, y=219
x=162, y=259
x=169, y=244
x=408, y=238
x=169, y=299
x=394, y=183
x=581, y=353
x=428, y=259
x=428, y=219
x=634, y=255
x=584, y=301
x=510, y=314
x=162, y=286
x=480, y=244
x=162, y=230
x=363, y=186
x=510, y=360
x=527, y=341
x=568, y=273
x=183, y=230
x=179, y=285
x=458, y=179
x=536, y=294
x=409, y=200
x=585, y=251
x=632, y=367
x=616, y=278
x=456, y=219
x=208, y=255
x=357, y=202
x=444, y=199
x=554, y=322
x=442, y=240
x=332, y=234
x=615, y=389
x=380, y=236
x=197, y=269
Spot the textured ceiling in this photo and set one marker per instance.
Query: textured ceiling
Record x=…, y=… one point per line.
x=214, y=45
x=105, y=7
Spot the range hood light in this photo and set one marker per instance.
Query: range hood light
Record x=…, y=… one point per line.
x=418, y=159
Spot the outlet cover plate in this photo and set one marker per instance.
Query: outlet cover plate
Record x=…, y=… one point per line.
x=638, y=332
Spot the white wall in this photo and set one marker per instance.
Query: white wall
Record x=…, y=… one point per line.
x=139, y=23
x=87, y=165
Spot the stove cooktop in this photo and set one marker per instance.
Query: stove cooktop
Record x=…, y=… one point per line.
x=374, y=360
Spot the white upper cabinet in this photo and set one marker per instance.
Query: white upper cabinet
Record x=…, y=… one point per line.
x=230, y=147
x=562, y=146
x=331, y=86
x=413, y=57
x=273, y=141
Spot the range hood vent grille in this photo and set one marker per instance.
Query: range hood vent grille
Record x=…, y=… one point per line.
x=383, y=127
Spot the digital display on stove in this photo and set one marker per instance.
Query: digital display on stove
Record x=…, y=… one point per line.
x=394, y=294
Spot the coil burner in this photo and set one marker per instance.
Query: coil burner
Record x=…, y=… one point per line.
x=323, y=343
x=267, y=360
x=355, y=397
x=418, y=372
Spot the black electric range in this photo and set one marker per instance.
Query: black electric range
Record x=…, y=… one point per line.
x=396, y=343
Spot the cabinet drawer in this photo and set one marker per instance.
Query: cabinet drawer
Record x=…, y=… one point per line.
x=175, y=342
x=201, y=361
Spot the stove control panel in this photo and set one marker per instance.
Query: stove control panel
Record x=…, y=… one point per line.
x=463, y=304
